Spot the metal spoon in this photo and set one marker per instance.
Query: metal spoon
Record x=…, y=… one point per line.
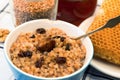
x=111, y=23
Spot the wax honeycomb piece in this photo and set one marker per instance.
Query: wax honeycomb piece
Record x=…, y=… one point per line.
x=107, y=42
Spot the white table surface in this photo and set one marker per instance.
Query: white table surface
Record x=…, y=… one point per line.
x=5, y=22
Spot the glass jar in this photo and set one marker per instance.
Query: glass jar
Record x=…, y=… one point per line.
x=75, y=11
x=26, y=10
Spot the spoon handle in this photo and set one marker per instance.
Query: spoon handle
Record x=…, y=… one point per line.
x=111, y=23
x=4, y=8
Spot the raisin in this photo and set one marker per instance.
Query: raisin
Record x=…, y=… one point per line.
x=33, y=36
x=39, y=63
x=47, y=47
x=41, y=31
x=21, y=54
x=28, y=54
x=60, y=60
x=56, y=37
x=67, y=46
x=25, y=54
x=62, y=39
x=39, y=49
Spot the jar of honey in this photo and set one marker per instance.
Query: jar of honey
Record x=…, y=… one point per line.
x=75, y=11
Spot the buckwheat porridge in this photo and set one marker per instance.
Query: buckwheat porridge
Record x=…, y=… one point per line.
x=47, y=53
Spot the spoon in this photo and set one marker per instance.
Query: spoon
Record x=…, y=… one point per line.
x=111, y=23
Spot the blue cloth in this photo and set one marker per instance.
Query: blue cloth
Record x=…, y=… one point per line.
x=93, y=74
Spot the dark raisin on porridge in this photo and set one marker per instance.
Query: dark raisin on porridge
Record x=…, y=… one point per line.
x=47, y=46
x=33, y=36
x=41, y=30
x=25, y=54
x=60, y=60
x=67, y=46
x=47, y=53
x=62, y=39
x=39, y=62
x=56, y=37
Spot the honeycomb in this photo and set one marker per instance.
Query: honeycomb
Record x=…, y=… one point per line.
x=107, y=42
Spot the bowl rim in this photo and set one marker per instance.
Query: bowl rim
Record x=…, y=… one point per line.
x=37, y=77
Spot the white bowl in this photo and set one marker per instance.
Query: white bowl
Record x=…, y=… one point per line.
x=30, y=26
